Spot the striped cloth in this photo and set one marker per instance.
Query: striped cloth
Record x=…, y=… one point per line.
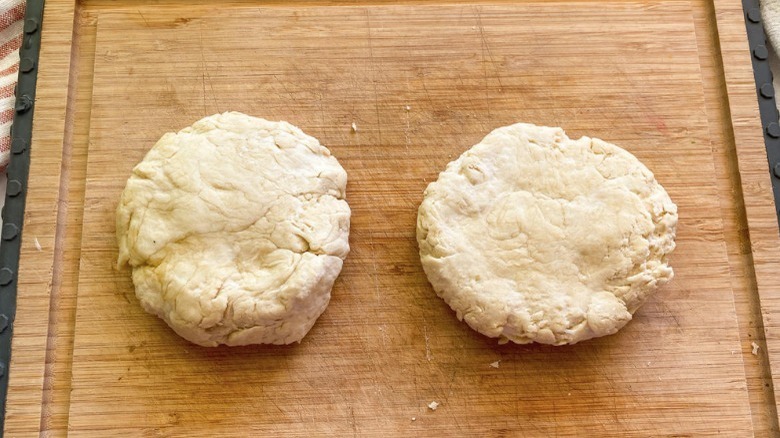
x=770, y=12
x=11, y=24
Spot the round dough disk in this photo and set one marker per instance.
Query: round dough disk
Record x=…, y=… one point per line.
x=236, y=229
x=534, y=237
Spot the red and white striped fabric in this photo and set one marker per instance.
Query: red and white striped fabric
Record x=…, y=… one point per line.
x=11, y=25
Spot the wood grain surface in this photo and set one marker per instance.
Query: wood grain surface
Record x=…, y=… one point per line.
x=756, y=188
x=387, y=346
x=31, y=341
x=645, y=75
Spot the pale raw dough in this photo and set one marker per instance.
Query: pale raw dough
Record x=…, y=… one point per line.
x=534, y=237
x=236, y=229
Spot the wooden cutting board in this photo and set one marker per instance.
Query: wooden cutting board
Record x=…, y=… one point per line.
x=422, y=83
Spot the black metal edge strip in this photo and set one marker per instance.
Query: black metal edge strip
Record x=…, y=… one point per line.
x=765, y=93
x=16, y=193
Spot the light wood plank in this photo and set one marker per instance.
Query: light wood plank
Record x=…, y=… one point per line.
x=762, y=227
x=463, y=70
x=31, y=330
x=739, y=251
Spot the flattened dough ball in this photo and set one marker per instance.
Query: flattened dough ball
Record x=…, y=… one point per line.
x=534, y=237
x=235, y=229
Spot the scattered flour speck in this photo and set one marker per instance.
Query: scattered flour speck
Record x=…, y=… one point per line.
x=433, y=405
x=755, y=348
x=496, y=364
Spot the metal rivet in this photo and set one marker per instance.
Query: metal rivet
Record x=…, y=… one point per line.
x=760, y=52
x=6, y=276
x=773, y=130
x=767, y=90
x=754, y=15
x=14, y=188
x=776, y=170
x=26, y=65
x=31, y=25
x=23, y=103
x=18, y=145
x=3, y=323
x=10, y=231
